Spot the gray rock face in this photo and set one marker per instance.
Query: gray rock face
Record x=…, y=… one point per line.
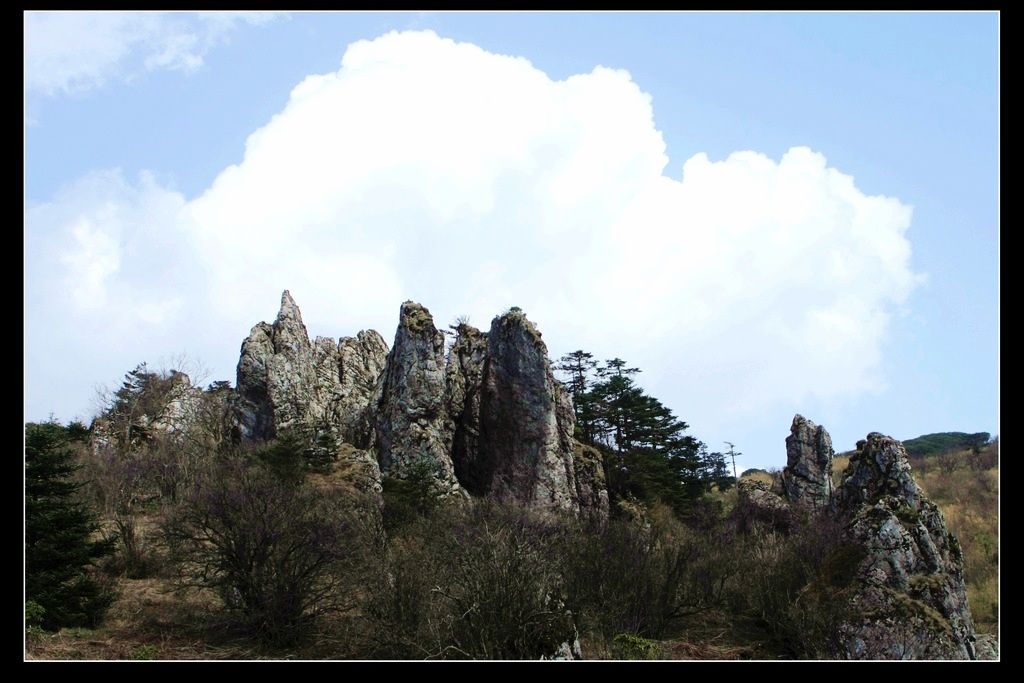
x=276, y=377
x=489, y=419
x=252, y=411
x=591, y=484
x=361, y=362
x=323, y=389
x=808, y=474
x=463, y=385
x=411, y=423
x=526, y=420
x=910, y=591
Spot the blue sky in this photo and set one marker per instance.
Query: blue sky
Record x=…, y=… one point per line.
x=767, y=213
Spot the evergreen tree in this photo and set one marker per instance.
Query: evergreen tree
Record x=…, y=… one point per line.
x=716, y=471
x=650, y=455
x=578, y=365
x=60, y=534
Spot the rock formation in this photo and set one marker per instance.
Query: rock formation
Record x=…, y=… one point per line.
x=276, y=378
x=808, y=474
x=906, y=593
x=463, y=386
x=591, y=484
x=489, y=418
x=526, y=420
x=285, y=382
x=360, y=364
x=911, y=590
x=411, y=422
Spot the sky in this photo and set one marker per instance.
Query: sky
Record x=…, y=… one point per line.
x=768, y=214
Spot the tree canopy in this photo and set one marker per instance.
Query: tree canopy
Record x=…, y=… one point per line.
x=648, y=454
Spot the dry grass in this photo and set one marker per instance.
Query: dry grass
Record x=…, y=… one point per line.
x=147, y=621
x=716, y=635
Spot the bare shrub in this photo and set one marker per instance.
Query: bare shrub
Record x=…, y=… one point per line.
x=794, y=581
x=480, y=583
x=950, y=461
x=276, y=553
x=640, y=578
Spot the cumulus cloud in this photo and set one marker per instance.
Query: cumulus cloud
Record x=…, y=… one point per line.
x=73, y=51
x=433, y=170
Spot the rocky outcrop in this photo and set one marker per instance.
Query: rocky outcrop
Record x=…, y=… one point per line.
x=276, y=379
x=463, y=387
x=910, y=591
x=759, y=495
x=526, y=420
x=321, y=389
x=807, y=477
x=152, y=406
x=252, y=411
x=591, y=484
x=488, y=418
x=902, y=591
x=361, y=362
x=358, y=470
x=512, y=422
x=411, y=422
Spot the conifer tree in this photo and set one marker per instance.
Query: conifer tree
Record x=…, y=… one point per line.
x=578, y=365
x=60, y=534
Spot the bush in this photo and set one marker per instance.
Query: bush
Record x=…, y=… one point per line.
x=628, y=646
x=410, y=497
x=640, y=578
x=34, y=614
x=276, y=553
x=795, y=580
x=476, y=583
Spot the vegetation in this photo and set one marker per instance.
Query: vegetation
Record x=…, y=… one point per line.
x=272, y=549
x=226, y=551
x=647, y=454
x=61, y=542
x=968, y=495
x=933, y=444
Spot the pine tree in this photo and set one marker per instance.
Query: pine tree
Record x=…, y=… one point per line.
x=60, y=534
x=578, y=365
x=650, y=455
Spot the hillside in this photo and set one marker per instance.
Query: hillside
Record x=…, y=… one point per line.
x=452, y=500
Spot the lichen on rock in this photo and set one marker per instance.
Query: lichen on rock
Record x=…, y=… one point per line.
x=411, y=423
x=808, y=474
x=911, y=588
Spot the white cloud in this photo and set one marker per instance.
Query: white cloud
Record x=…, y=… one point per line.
x=94, y=258
x=119, y=248
x=471, y=182
x=73, y=51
